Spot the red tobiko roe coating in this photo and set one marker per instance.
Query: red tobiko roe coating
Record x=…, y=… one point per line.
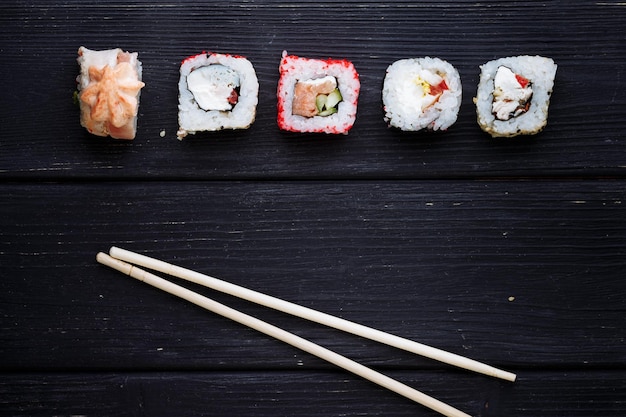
x=328, y=61
x=286, y=67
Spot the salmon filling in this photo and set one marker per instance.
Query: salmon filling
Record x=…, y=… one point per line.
x=316, y=97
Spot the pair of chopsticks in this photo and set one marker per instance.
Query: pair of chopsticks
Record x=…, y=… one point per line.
x=127, y=262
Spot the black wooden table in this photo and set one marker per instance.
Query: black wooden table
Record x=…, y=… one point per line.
x=511, y=252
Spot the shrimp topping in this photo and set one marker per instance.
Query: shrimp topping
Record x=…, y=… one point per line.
x=112, y=94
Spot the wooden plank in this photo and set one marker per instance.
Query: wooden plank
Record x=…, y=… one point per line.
x=41, y=136
x=517, y=274
x=576, y=394
x=509, y=252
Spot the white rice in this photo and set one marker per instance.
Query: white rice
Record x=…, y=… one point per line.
x=192, y=118
x=294, y=69
x=402, y=109
x=540, y=71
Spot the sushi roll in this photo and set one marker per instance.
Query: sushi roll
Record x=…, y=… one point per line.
x=317, y=95
x=216, y=92
x=421, y=93
x=109, y=85
x=514, y=94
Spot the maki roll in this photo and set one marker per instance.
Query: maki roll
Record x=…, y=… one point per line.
x=316, y=95
x=514, y=94
x=421, y=93
x=109, y=85
x=216, y=91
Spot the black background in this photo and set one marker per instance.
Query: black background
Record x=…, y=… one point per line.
x=509, y=251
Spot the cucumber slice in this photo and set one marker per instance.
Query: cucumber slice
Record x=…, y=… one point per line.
x=328, y=112
x=320, y=101
x=333, y=98
x=327, y=104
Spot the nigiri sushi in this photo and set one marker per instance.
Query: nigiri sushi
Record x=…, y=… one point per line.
x=109, y=86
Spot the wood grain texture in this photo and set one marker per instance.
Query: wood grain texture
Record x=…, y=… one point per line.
x=435, y=262
x=511, y=252
x=313, y=393
x=39, y=40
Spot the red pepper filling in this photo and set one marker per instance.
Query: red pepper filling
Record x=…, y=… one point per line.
x=523, y=81
x=439, y=88
x=233, y=98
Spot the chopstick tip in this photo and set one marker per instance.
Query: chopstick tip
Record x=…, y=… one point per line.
x=116, y=264
x=101, y=257
x=505, y=375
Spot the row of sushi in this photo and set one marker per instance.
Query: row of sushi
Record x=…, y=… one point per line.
x=220, y=91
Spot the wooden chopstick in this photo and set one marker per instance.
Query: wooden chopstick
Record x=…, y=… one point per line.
x=310, y=314
x=283, y=335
